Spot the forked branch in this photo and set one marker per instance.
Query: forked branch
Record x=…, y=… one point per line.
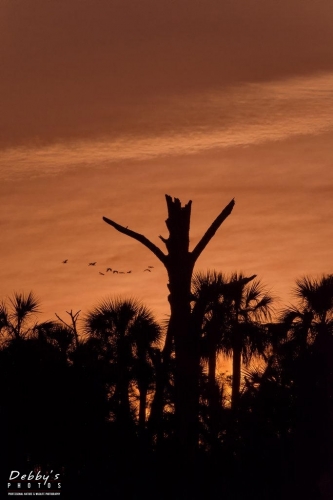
x=212, y=230
x=139, y=237
x=72, y=327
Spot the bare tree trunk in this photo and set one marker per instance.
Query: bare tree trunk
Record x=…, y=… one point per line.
x=179, y=263
x=236, y=367
x=143, y=388
x=186, y=371
x=142, y=408
x=213, y=394
x=180, y=269
x=162, y=367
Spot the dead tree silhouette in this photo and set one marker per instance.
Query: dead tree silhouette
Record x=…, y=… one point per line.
x=73, y=326
x=179, y=263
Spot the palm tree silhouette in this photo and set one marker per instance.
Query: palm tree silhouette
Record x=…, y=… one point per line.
x=207, y=325
x=312, y=318
x=128, y=332
x=208, y=290
x=306, y=358
x=146, y=336
x=250, y=305
x=16, y=319
x=231, y=310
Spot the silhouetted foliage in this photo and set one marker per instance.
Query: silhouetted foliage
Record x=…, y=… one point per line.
x=84, y=399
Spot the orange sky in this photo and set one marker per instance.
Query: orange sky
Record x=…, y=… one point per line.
x=107, y=105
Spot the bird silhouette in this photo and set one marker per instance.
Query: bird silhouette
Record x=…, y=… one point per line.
x=150, y=267
x=147, y=270
x=108, y=269
x=101, y=273
x=92, y=263
x=65, y=261
x=121, y=272
x=129, y=272
x=114, y=271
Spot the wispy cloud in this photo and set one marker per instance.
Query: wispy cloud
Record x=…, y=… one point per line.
x=242, y=116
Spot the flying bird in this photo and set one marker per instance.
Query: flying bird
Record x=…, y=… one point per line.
x=92, y=263
x=65, y=261
x=129, y=272
x=108, y=269
x=114, y=271
x=121, y=272
x=150, y=267
x=101, y=273
x=147, y=270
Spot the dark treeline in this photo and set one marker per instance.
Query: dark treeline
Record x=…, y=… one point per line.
x=93, y=395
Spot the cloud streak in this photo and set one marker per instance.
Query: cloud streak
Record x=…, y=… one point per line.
x=241, y=116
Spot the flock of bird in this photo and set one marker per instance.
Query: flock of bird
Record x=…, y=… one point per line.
x=113, y=271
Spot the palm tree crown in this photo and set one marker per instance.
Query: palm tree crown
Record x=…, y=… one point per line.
x=127, y=333
x=233, y=310
x=16, y=319
x=313, y=314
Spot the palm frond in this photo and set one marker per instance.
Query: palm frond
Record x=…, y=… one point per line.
x=316, y=294
x=3, y=316
x=289, y=315
x=24, y=305
x=253, y=292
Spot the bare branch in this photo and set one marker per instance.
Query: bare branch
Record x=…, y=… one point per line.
x=163, y=239
x=64, y=322
x=139, y=237
x=212, y=230
x=71, y=327
x=73, y=316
